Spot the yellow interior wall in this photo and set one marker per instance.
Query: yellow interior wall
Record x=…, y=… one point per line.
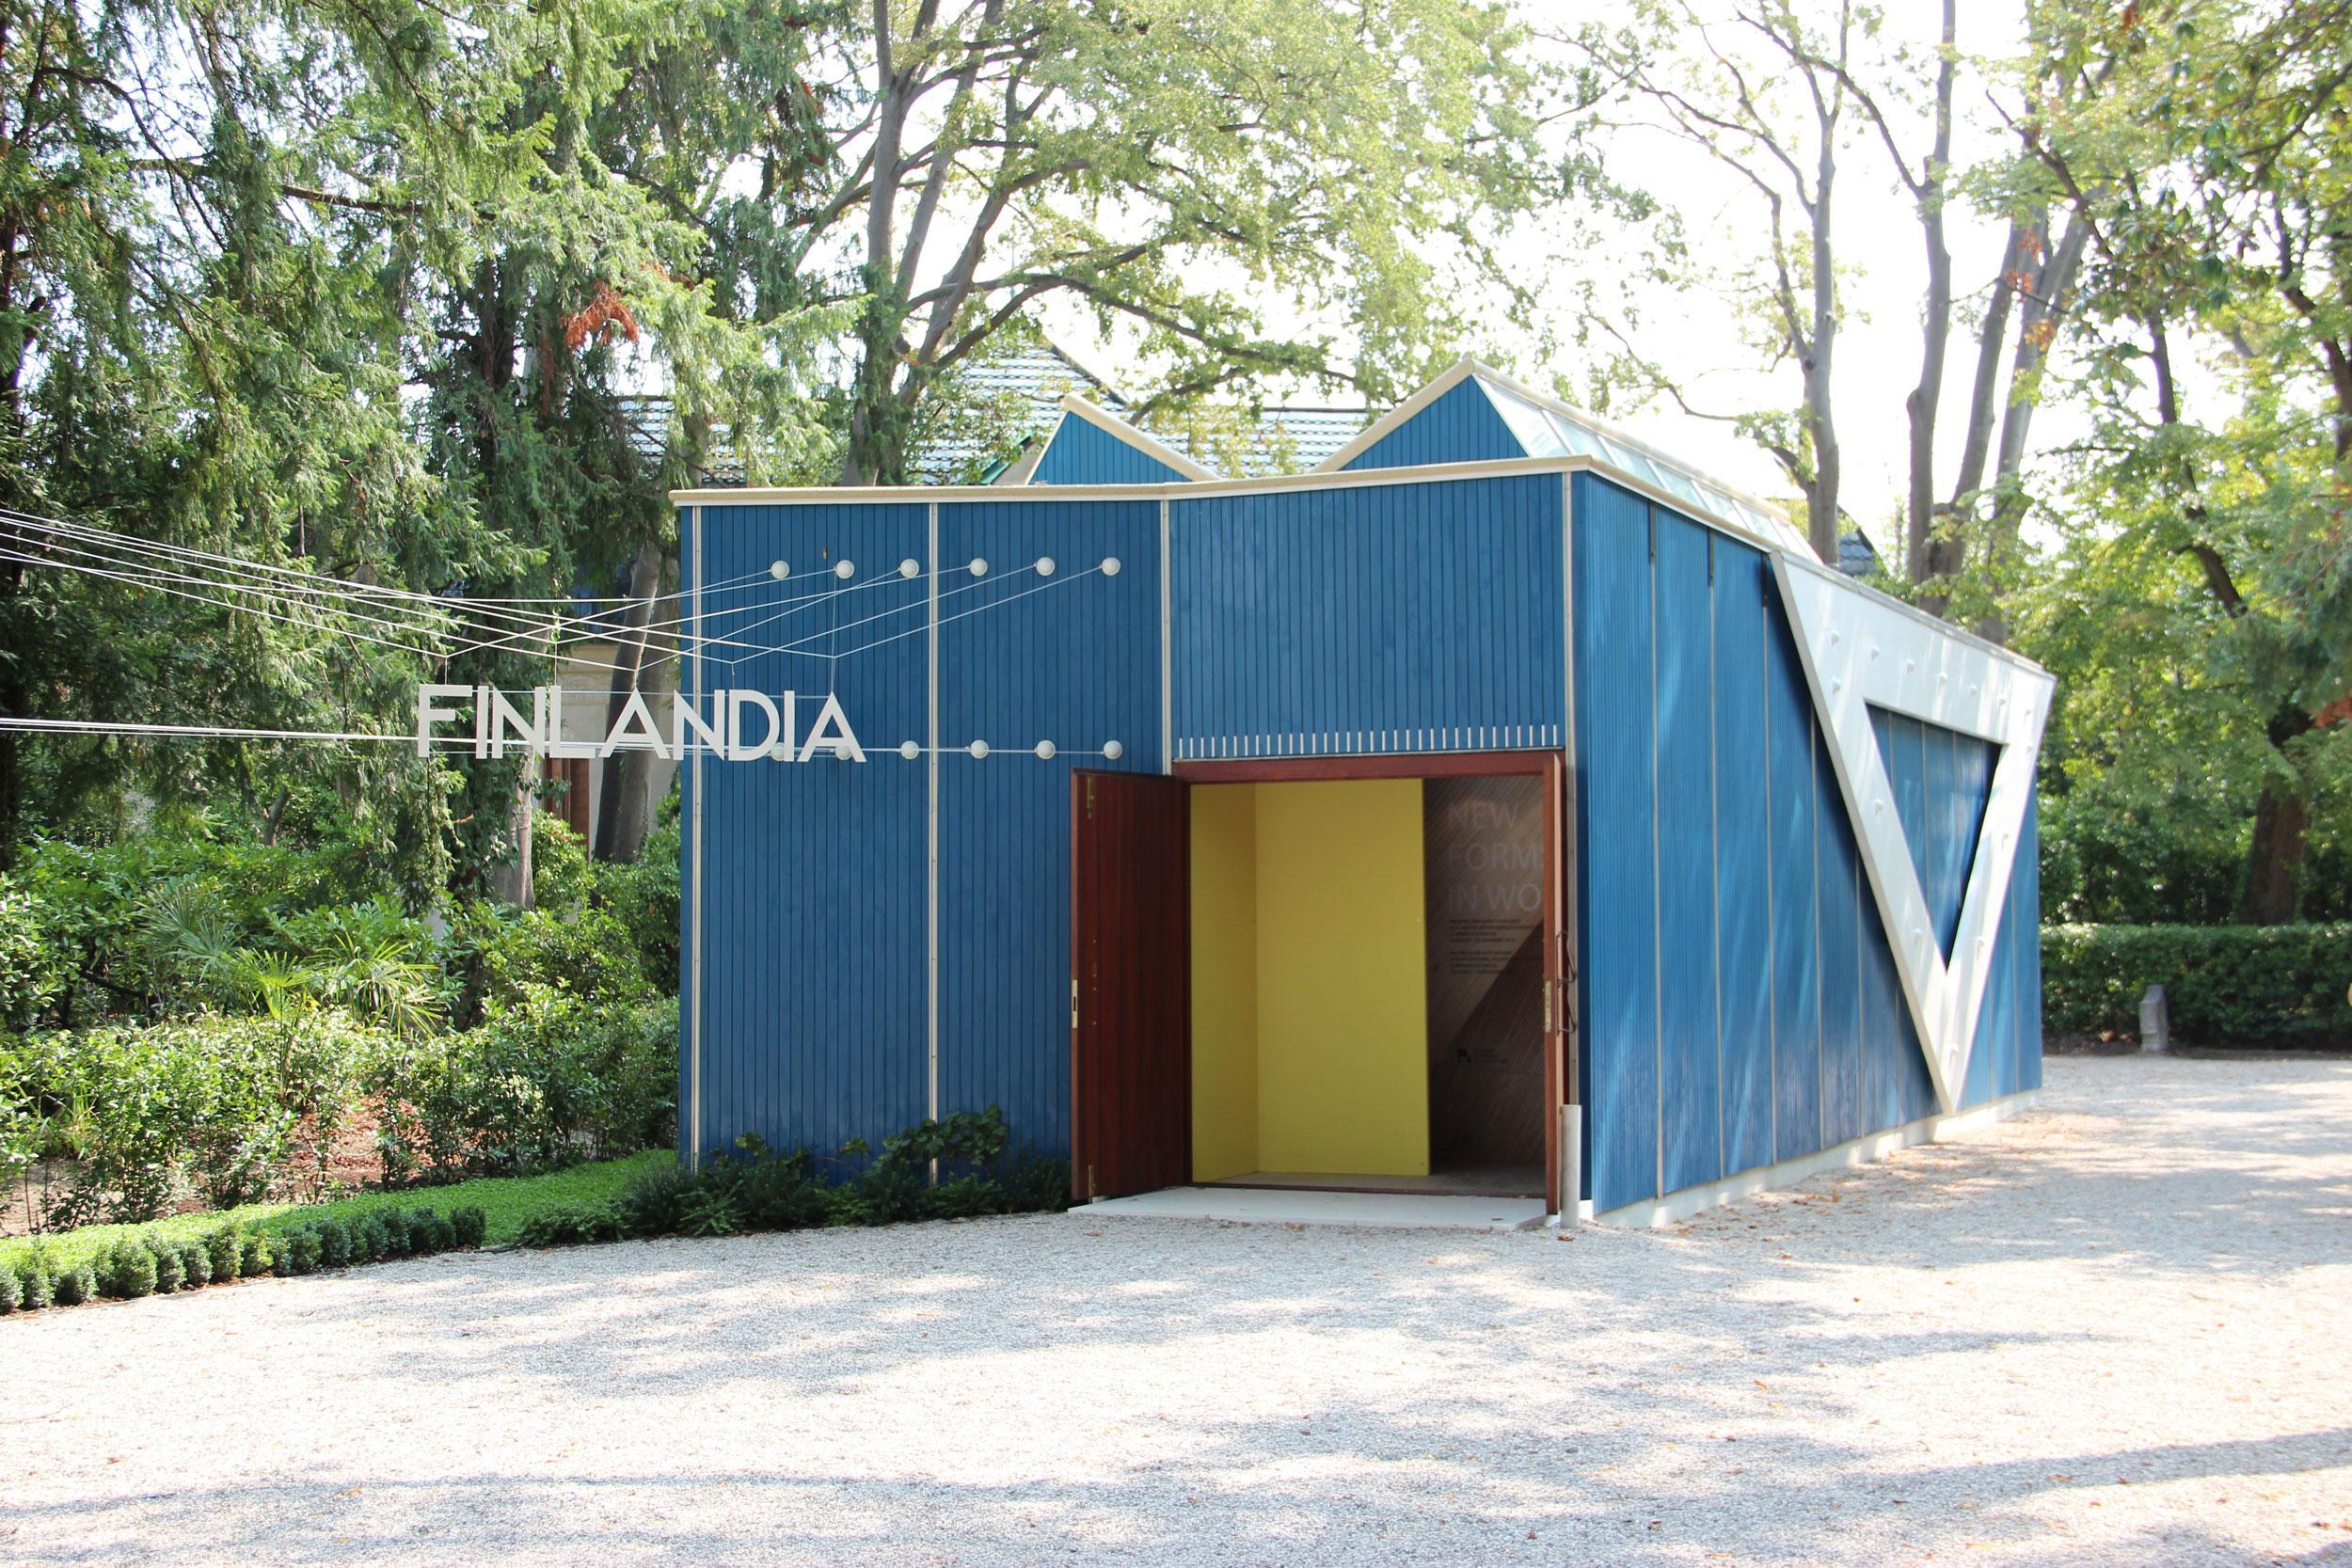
x=1343, y=1005
x=1310, y=1012
x=1224, y=981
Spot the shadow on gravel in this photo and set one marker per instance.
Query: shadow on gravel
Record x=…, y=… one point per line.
x=1467, y=1427
x=1224, y=1504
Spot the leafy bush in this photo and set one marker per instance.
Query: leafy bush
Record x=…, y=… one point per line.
x=563, y=878
x=709, y=1212
x=236, y=1108
x=547, y=1080
x=30, y=966
x=2278, y=987
x=373, y=960
x=501, y=955
x=224, y=1252
x=573, y=1224
x=36, y=1287
x=171, y=1273
x=257, y=1255
x=299, y=1251
x=653, y=1204
x=469, y=1225
x=758, y=1188
x=196, y=1264
x=334, y=1242
x=11, y=1294
x=141, y=919
x=371, y=1241
x=644, y=896
x=127, y=1271
x=74, y=1285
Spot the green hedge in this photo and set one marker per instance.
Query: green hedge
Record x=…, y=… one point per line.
x=155, y=1261
x=2262, y=987
x=234, y=1110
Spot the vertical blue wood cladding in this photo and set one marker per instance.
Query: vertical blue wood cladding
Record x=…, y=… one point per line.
x=1954, y=780
x=1896, y=1084
x=1734, y=973
x=812, y=895
x=1742, y=632
x=1369, y=619
x=1797, y=958
x=1461, y=426
x=2025, y=892
x=1082, y=453
x=1078, y=664
x=1838, y=893
x=1616, y=839
x=1691, y=1056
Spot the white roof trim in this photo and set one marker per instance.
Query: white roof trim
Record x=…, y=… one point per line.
x=1111, y=424
x=1452, y=376
x=1861, y=650
x=1019, y=470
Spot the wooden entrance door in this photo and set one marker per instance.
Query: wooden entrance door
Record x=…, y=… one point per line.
x=1131, y=985
x=1563, y=1164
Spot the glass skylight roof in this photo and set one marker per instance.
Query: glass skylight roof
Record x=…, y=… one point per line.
x=1549, y=431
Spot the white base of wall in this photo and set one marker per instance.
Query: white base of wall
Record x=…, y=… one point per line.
x=1927, y=1130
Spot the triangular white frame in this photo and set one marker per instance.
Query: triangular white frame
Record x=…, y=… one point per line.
x=1861, y=649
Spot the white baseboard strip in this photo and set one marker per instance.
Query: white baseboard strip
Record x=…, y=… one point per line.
x=1877, y=1146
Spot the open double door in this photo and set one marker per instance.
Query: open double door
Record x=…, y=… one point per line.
x=1130, y=971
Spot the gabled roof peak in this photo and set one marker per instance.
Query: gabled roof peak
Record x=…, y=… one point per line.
x=1544, y=426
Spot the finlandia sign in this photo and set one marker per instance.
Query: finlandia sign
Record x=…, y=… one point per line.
x=740, y=726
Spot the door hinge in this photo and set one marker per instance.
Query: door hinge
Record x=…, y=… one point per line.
x=1089, y=799
x=1073, y=1002
x=1089, y=1184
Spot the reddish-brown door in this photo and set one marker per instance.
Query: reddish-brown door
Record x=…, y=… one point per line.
x=1560, y=1036
x=1130, y=989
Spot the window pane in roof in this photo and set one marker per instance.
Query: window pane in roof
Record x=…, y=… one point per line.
x=1630, y=461
x=1529, y=424
x=1574, y=438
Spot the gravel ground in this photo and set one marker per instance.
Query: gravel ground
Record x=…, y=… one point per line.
x=2113, y=1332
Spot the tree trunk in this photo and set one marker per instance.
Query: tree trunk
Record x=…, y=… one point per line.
x=871, y=422
x=14, y=701
x=2038, y=329
x=636, y=786
x=2273, y=894
x=510, y=881
x=629, y=659
x=1821, y=515
x=1935, y=328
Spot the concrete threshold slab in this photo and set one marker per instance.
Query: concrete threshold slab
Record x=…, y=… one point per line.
x=1291, y=1206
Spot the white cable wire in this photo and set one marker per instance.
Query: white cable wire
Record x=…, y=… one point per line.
x=258, y=575
x=382, y=597
x=232, y=731
x=344, y=588
x=7, y=554
x=795, y=645
x=588, y=631
x=159, y=583
x=155, y=576
x=1055, y=583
